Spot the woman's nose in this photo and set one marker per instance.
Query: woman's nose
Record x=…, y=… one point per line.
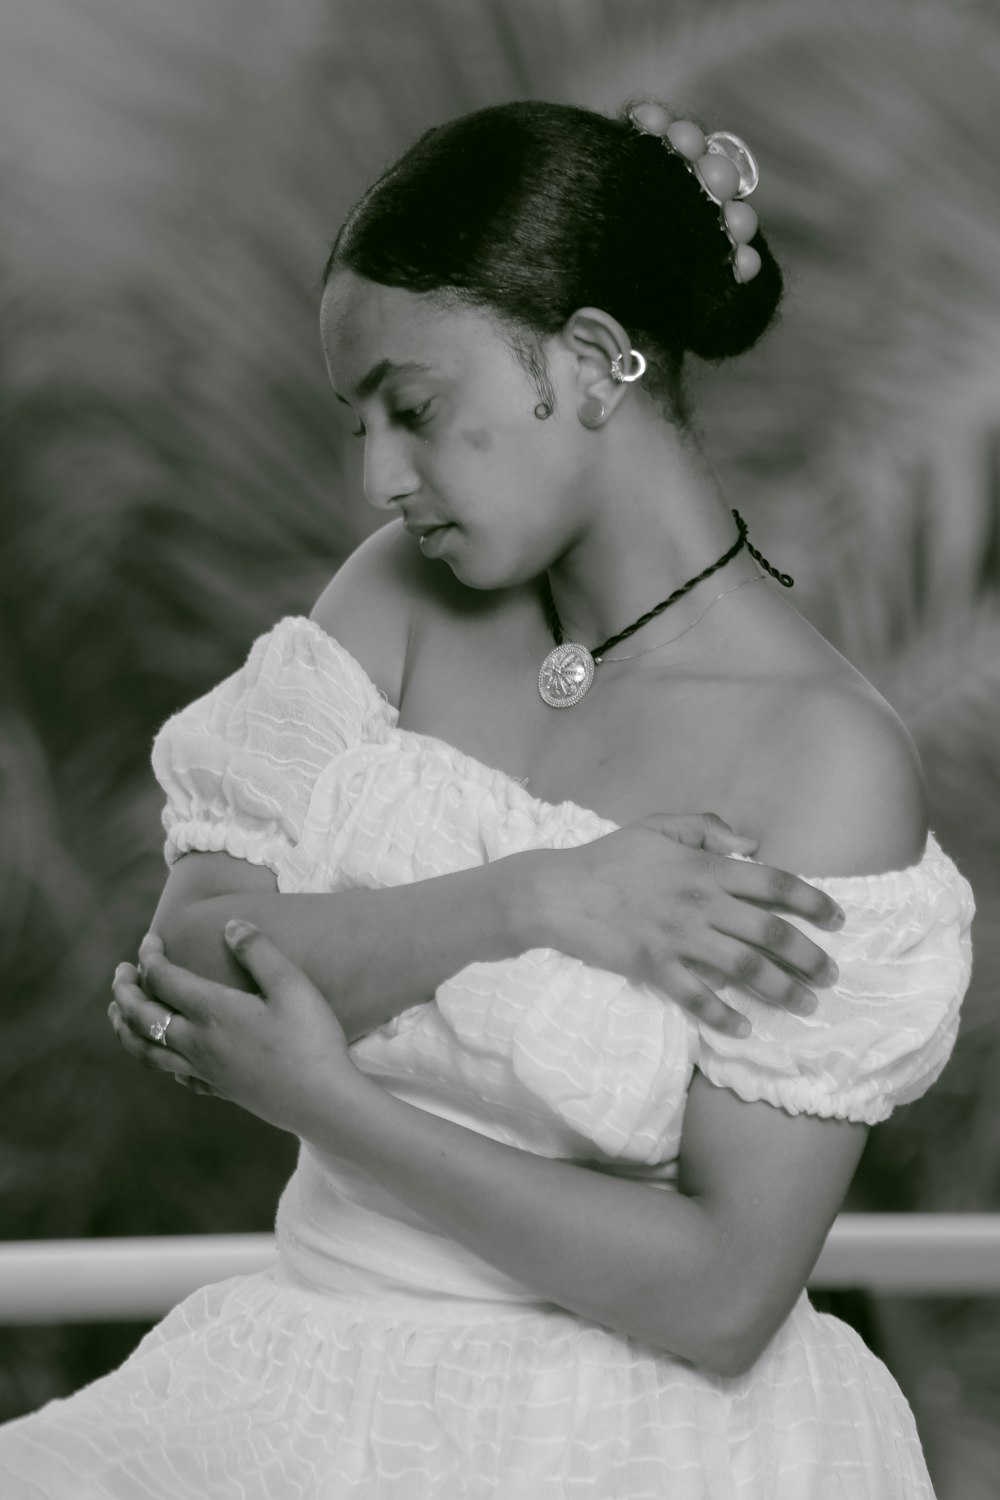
x=388, y=475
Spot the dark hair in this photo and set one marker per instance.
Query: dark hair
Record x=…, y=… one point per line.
x=535, y=209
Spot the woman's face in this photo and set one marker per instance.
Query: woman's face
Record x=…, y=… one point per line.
x=450, y=434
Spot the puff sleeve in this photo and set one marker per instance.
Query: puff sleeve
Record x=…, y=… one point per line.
x=883, y=1033
x=238, y=765
x=547, y=1035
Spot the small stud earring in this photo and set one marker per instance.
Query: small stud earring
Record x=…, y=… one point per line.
x=592, y=412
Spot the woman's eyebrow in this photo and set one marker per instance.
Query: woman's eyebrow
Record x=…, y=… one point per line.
x=370, y=383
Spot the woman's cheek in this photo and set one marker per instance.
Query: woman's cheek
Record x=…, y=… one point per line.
x=479, y=439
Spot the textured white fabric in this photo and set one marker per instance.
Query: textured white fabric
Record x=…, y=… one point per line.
x=379, y=1358
x=883, y=1033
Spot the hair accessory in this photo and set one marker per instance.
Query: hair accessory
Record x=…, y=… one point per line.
x=723, y=166
x=568, y=671
x=617, y=373
x=592, y=412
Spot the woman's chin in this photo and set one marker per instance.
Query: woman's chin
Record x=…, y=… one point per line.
x=469, y=575
x=475, y=567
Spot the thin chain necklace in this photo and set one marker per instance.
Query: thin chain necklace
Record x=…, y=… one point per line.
x=568, y=671
x=758, y=578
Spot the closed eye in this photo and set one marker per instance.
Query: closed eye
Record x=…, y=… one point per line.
x=408, y=418
x=412, y=416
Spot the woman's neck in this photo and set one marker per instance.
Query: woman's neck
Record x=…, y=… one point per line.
x=656, y=517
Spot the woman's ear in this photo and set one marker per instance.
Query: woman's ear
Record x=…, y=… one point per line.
x=595, y=339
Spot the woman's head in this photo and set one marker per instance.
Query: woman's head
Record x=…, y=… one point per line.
x=449, y=427
x=514, y=253
x=535, y=209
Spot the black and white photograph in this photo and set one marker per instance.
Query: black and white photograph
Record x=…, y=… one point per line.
x=500, y=750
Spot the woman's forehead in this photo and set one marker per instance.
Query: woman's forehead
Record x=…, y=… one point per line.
x=365, y=325
x=355, y=310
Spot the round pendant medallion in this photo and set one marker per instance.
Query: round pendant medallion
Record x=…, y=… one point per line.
x=565, y=675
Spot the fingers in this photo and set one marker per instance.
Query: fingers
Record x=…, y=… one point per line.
x=780, y=889
x=151, y=1054
x=196, y=1085
x=750, y=969
x=701, y=831
x=179, y=989
x=263, y=959
x=778, y=940
x=720, y=838
x=682, y=984
x=131, y=1014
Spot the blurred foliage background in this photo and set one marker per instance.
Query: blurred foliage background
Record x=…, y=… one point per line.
x=176, y=476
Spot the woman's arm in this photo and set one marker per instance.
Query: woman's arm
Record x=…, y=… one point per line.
x=371, y=954
x=659, y=1267
x=681, y=1271
x=621, y=903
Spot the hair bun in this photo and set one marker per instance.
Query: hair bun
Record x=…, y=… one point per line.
x=727, y=317
x=715, y=315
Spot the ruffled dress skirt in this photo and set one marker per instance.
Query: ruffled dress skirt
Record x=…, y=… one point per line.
x=252, y=1389
x=394, y=1380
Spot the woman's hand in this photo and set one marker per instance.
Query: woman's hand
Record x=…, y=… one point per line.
x=280, y=1054
x=658, y=902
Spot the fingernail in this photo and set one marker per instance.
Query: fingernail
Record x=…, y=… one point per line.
x=238, y=929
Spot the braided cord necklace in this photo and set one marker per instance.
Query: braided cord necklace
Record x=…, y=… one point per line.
x=568, y=671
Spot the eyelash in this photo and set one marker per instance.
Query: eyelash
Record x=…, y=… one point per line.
x=409, y=418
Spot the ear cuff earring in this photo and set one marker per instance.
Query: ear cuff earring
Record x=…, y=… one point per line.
x=618, y=375
x=592, y=411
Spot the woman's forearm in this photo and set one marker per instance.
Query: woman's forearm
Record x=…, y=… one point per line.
x=372, y=953
x=647, y=1263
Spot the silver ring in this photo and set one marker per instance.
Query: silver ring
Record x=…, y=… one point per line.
x=158, y=1029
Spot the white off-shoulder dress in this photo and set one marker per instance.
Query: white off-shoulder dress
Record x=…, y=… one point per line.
x=380, y=1360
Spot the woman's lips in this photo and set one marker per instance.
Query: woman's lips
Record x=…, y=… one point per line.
x=430, y=538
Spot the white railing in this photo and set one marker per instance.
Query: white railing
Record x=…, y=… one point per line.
x=114, y=1280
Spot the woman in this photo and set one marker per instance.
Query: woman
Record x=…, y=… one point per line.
x=473, y=1296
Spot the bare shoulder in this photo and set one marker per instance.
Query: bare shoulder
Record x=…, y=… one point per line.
x=849, y=796
x=370, y=603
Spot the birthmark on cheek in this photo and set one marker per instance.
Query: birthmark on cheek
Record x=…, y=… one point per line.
x=478, y=438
